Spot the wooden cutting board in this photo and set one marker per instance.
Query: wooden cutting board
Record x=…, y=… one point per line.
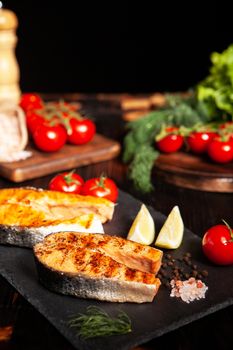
x=69, y=157
x=195, y=172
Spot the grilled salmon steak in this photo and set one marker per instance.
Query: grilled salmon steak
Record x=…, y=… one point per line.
x=96, y=266
x=27, y=215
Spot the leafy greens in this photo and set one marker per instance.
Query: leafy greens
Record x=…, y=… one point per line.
x=216, y=90
x=211, y=101
x=139, y=148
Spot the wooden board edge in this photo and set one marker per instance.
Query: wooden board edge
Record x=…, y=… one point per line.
x=21, y=174
x=209, y=184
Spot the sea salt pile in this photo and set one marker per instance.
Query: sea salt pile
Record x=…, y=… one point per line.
x=14, y=156
x=188, y=290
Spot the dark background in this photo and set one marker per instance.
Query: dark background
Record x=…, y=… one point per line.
x=117, y=46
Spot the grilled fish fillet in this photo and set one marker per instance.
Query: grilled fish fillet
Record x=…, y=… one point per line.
x=58, y=204
x=27, y=215
x=16, y=233
x=74, y=263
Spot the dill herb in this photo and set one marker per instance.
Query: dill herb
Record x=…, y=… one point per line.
x=97, y=323
x=139, y=151
x=141, y=167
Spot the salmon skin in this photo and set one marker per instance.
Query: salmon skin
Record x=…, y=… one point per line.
x=77, y=264
x=27, y=215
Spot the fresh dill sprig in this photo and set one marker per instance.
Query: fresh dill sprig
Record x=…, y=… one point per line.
x=97, y=323
x=139, y=143
x=141, y=167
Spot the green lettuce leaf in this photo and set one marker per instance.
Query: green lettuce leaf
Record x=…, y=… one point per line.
x=216, y=90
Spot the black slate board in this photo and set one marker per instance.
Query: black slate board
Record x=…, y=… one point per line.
x=149, y=320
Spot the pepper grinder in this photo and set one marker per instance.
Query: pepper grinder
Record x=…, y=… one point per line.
x=9, y=69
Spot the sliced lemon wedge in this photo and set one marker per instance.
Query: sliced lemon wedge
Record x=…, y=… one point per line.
x=171, y=234
x=143, y=227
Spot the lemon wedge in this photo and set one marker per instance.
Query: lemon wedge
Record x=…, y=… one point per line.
x=143, y=227
x=171, y=234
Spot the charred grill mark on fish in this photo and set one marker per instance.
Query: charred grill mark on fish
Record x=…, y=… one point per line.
x=90, y=272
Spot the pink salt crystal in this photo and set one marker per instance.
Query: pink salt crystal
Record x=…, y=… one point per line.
x=188, y=290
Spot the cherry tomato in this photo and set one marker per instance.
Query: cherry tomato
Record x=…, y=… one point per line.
x=33, y=120
x=101, y=187
x=49, y=138
x=220, y=151
x=67, y=182
x=217, y=245
x=170, y=143
x=82, y=131
x=31, y=101
x=198, y=141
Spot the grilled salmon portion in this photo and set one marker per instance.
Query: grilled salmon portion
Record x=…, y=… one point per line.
x=134, y=255
x=73, y=263
x=28, y=215
x=58, y=205
x=15, y=233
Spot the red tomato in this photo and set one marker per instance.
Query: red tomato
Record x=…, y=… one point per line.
x=198, y=141
x=49, y=138
x=82, y=131
x=31, y=101
x=67, y=182
x=220, y=151
x=101, y=187
x=33, y=119
x=217, y=245
x=170, y=143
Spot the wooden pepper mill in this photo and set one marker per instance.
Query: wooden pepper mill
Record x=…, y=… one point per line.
x=9, y=69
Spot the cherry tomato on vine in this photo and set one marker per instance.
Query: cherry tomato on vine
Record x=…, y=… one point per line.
x=198, y=141
x=33, y=120
x=217, y=244
x=31, y=101
x=67, y=182
x=102, y=187
x=220, y=151
x=82, y=131
x=49, y=138
x=65, y=106
x=172, y=142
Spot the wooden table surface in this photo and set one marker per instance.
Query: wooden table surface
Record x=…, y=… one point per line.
x=22, y=327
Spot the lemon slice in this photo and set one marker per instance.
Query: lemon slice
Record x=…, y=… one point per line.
x=171, y=234
x=143, y=227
